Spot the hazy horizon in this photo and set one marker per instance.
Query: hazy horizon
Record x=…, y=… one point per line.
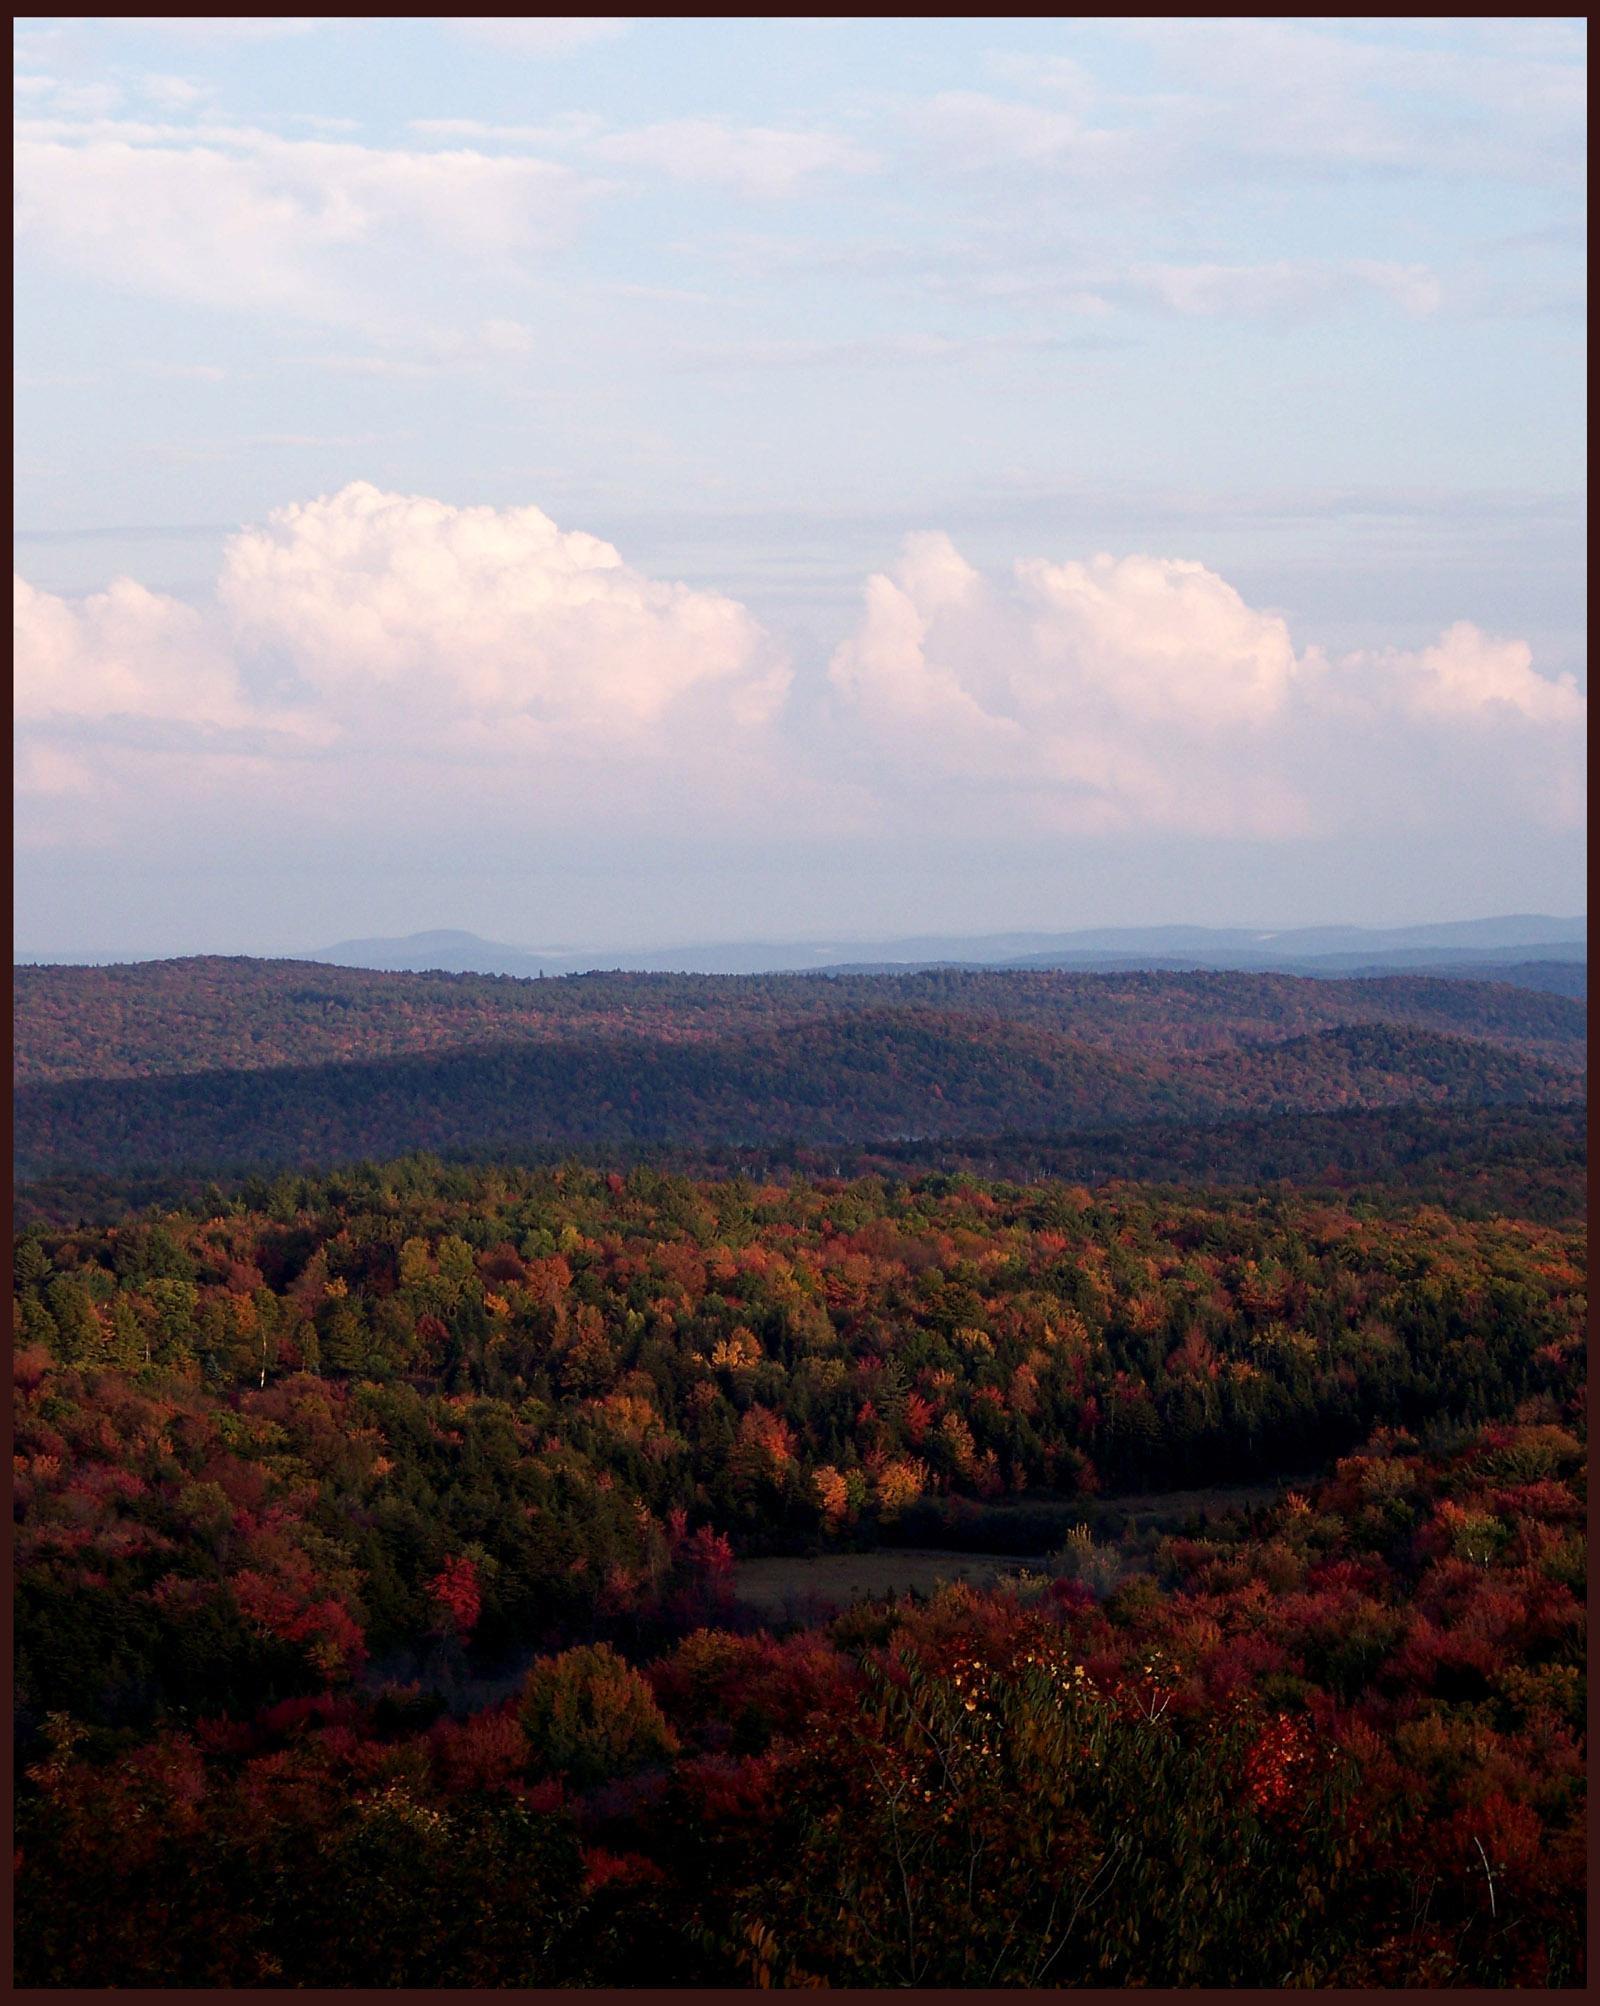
x=776, y=938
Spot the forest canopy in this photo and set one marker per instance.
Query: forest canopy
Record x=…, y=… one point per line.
x=225, y=1066
x=391, y=1525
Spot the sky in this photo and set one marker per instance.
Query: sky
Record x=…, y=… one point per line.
x=608, y=482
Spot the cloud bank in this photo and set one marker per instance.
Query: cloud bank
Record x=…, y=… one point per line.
x=459, y=618
x=1144, y=693
x=392, y=661
x=376, y=657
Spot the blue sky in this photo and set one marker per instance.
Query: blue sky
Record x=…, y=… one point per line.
x=508, y=437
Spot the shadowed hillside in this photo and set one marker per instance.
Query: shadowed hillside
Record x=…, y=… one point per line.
x=883, y=1075
x=210, y=1014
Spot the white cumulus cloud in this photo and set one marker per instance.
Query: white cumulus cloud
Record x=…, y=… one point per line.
x=122, y=653
x=484, y=614
x=1146, y=693
x=384, y=662
x=1467, y=675
x=482, y=660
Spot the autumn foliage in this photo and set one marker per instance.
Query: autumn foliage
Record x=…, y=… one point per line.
x=379, y=1554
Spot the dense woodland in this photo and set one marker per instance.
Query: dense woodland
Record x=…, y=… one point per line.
x=1529, y=1162
x=391, y=1522
x=229, y=1065
x=213, y=1013
x=379, y=1529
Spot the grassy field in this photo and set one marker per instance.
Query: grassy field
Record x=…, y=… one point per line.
x=784, y=1585
x=1034, y=1526
x=981, y=1542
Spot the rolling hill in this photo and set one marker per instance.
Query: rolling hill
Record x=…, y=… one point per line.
x=216, y=1014
x=726, y=1076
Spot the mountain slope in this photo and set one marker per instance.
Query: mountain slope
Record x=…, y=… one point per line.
x=212, y=1014
x=883, y=1075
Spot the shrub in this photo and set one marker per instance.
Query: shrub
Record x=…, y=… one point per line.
x=589, y=1715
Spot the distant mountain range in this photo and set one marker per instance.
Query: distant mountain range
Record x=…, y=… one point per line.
x=1483, y=947
x=1533, y=949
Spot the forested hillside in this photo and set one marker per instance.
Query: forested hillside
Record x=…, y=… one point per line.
x=1526, y=1162
x=382, y=1530
x=705, y=1062
x=782, y=1361
x=213, y=1014
x=379, y=1542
